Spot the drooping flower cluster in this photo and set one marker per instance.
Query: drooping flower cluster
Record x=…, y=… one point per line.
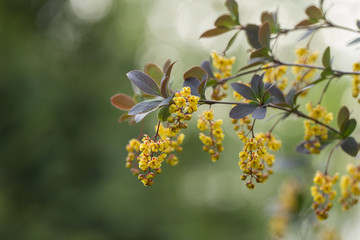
x=212, y=142
x=356, y=81
x=288, y=203
x=150, y=159
x=254, y=159
x=222, y=67
x=303, y=75
x=184, y=104
x=242, y=123
x=175, y=143
x=350, y=187
x=133, y=149
x=276, y=74
x=323, y=193
x=315, y=133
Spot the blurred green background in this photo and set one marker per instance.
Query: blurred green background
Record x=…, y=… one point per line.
x=62, y=151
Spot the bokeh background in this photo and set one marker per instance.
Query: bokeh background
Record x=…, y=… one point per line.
x=62, y=151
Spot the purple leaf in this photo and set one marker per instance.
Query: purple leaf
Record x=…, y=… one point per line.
x=244, y=91
x=143, y=82
x=241, y=110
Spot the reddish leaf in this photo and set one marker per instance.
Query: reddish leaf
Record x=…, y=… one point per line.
x=195, y=72
x=122, y=101
x=304, y=23
x=154, y=72
x=165, y=81
x=264, y=35
x=214, y=32
x=225, y=21
x=314, y=13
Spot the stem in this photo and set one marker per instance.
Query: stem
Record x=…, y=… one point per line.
x=252, y=128
x=300, y=114
x=157, y=131
x=275, y=124
x=278, y=63
x=333, y=25
x=294, y=111
x=324, y=90
x=328, y=161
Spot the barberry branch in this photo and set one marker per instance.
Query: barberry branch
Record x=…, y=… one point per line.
x=278, y=63
x=291, y=111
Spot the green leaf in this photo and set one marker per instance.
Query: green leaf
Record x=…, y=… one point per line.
x=122, y=101
x=268, y=17
x=349, y=127
x=225, y=21
x=254, y=62
x=164, y=113
x=252, y=33
x=326, y=72
x=233, y=8
x=165, y=81
x=214, y=32
x=326, y=58
x=260, y=53
x=231, y=41
x=350, y=146
x=266, y=97
x=264, y=35
x=195, y=72
x=241, y=110
x=259, y=113
x=144, y=106
x=154, y=72
x=343, y=117
x=211, y=83
x=244, y=91
x=143, y=82
x=314, y=13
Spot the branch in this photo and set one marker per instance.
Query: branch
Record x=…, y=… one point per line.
x=300, y=114
x=292, y=111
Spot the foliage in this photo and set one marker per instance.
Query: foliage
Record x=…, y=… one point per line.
x=266, y=89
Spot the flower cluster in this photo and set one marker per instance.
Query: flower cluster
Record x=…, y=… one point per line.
x=183, y=105
x=323, y=194
x=303, y=75
x=175, y=143
x=350, y=187
x=276, y=74
x=304, y=56
x=150, y=159
x=288, y=203
x=356, y=81
x=242, y=123
x=315, y=133
x=133, y=149
x=223, y=67
x=212, y=142
x=254, y=157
